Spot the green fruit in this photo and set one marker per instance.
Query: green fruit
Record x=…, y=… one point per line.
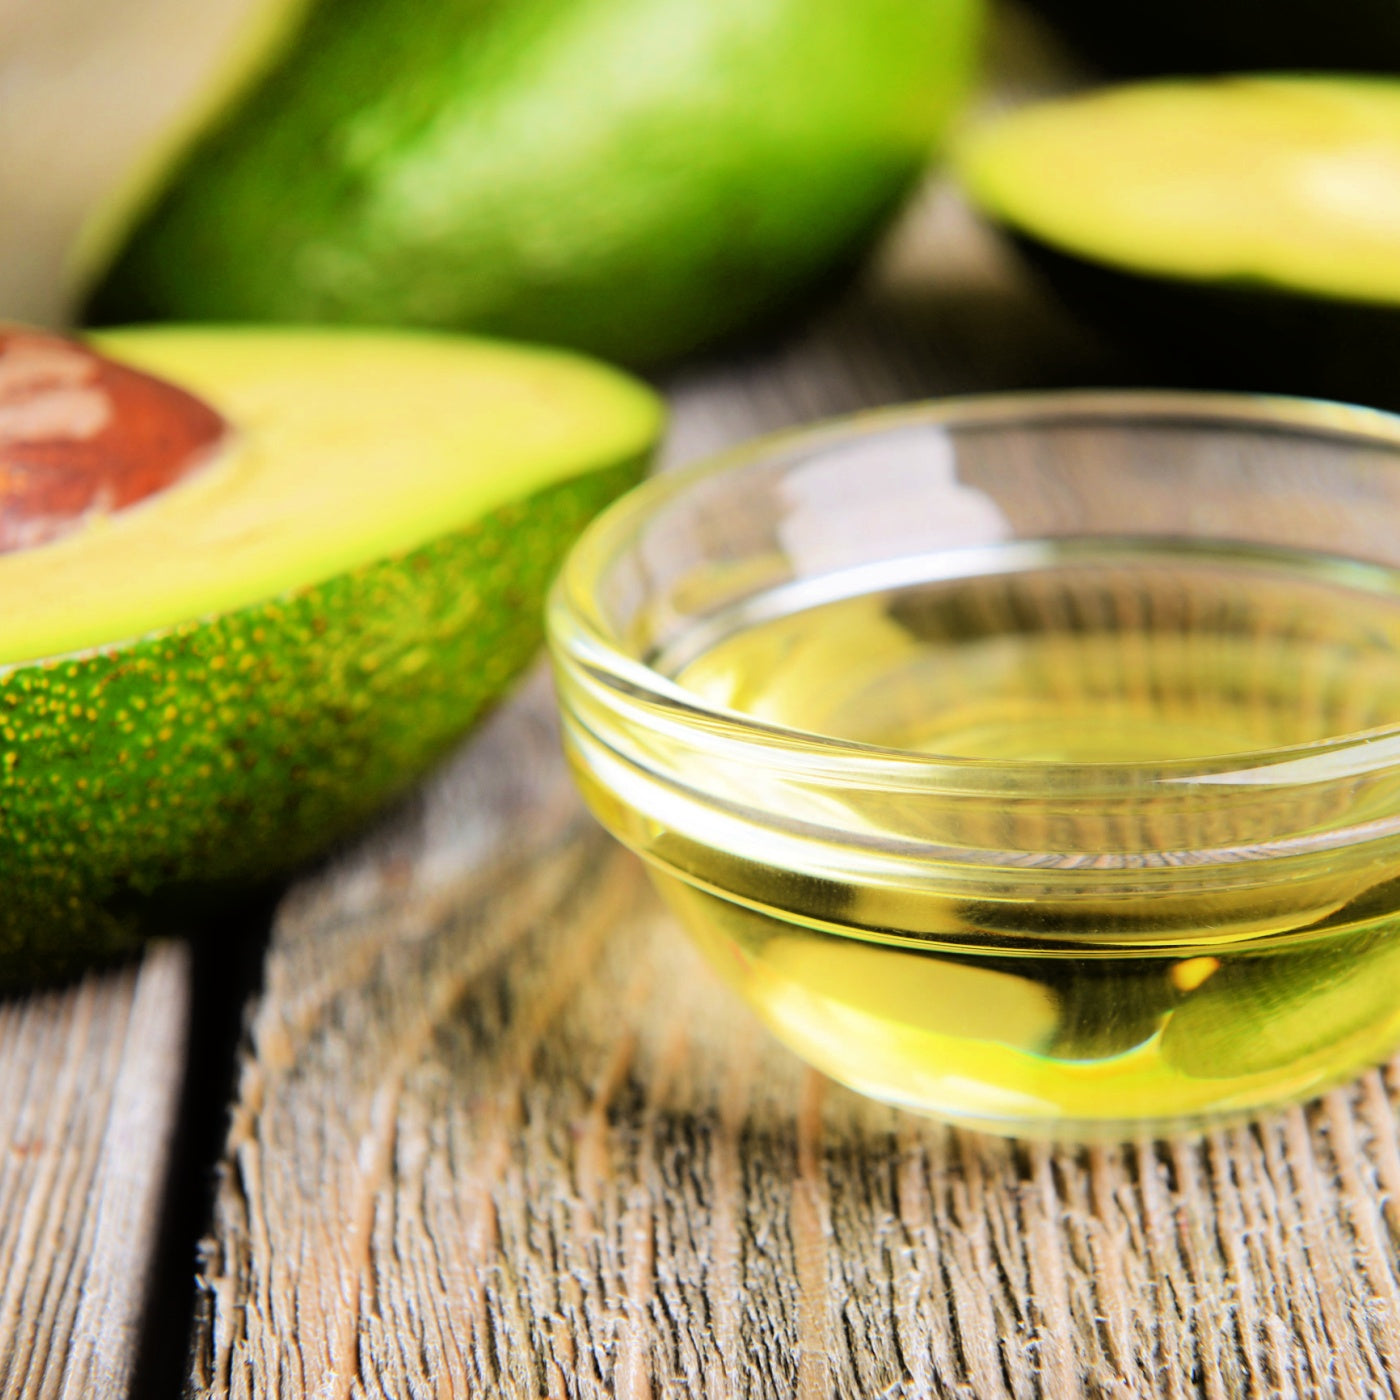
x=631, y=177
x=1240, y=231
x=1202, y=36
x=209, y=687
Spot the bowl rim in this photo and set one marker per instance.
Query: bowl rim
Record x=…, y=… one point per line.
x=581, y=642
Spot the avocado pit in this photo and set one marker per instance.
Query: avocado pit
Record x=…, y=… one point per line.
x=83, y=436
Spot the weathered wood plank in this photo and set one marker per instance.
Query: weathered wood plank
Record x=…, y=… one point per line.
x=499, y=1132
x=89, y=1081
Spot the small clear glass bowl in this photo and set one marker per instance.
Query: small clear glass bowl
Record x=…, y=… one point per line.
x=1008, y=927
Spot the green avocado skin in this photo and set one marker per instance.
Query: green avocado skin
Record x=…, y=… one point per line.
x=226, y=751
x=1221, y=36
x=1176, y=333
x=635, y=178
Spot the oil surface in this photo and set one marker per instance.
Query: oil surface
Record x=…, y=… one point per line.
x=1078, y=653
x=1093, y=652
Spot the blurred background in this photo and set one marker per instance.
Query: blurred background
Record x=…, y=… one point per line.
x=653, y=181
x=94, y=97
x=85, y=89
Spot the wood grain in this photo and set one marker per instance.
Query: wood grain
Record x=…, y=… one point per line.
x=499, y=1132
x=89, y=1081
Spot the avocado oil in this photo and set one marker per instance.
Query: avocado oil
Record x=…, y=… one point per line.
x=1147, y=960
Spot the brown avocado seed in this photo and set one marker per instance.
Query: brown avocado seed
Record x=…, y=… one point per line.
x=81, y=436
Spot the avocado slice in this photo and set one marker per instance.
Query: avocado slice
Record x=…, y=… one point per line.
x=1242, y=232
x=630, y=177
x=208, y=686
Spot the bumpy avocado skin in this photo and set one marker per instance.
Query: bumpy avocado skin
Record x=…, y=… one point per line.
x=231, y=749
x=630, y=177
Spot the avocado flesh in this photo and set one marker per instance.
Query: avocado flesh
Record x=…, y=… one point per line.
x=146, y=768
x=1292, y=182
x=1244, y=231
x=349, y=446
x=631, y=177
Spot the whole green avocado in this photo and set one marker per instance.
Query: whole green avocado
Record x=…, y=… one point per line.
x=636, y=178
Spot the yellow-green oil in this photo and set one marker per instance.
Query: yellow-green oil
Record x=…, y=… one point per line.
x=1025, y=1010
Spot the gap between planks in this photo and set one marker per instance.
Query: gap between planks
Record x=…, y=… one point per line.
x=90, y=1080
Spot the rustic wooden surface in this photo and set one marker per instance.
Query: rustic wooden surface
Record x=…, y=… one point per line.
x=499, y=1132
x=89, y=1080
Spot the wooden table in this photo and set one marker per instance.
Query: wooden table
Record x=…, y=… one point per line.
x=493, y=1129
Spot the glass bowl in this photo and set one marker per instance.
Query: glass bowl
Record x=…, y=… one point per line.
x=1032, y=761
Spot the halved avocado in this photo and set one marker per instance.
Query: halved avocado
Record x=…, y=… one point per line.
x=1244, y=231
x=209, y=683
